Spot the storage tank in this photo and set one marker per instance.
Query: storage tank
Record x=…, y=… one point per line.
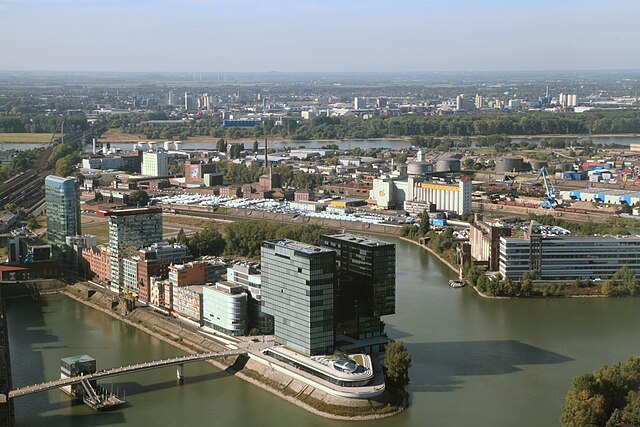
x=141, y=145
x=566, y=167
x=419, y=168
x=448, y=163
x=177, y=145
x=153, y=146
x=167, y=145
x=536, y=165
x=510, y=164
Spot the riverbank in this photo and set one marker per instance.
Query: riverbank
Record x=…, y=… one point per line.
x=434, y=253
x=243, y=367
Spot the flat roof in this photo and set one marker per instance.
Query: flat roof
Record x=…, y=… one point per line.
x=568, y=238
x=298, y=246
x=606, y=192
x=353, y=238
x=129, y=211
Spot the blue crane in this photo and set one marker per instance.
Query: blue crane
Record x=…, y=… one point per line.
x=549, y=202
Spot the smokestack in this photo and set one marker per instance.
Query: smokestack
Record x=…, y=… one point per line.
x=266, y=155
x=94, y=146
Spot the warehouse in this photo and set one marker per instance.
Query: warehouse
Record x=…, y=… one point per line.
x=603, y=195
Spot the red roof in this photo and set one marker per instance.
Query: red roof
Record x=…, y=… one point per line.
x=11, y=268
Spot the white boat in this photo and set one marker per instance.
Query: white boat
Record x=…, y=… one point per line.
x=456, y=283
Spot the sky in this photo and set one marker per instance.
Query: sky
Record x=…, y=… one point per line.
x=318, y=35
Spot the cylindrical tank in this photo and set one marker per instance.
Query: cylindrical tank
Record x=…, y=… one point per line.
x=566, y=167
x=167, y=145
x=153, y=146
x=448, y=163
x=402, y=168
x=510, y=164
x=177, y=145
x=536, y=165
x=141, y=145
x=419, y=168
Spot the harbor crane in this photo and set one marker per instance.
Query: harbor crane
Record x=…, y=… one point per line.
x=550, y=201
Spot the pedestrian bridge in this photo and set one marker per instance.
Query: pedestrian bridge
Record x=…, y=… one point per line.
x=112, y=372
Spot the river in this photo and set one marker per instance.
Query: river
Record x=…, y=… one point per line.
x=347, y=144
x=476, y=361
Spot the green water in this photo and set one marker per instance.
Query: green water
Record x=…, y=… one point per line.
x=476, y=362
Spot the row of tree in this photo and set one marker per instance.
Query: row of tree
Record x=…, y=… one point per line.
x=459, y=125
x=40, y=123
x=244, y=238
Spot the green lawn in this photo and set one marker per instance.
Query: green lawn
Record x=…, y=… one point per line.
x=25, y=137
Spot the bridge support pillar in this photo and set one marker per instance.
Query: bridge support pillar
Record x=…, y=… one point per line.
x=180, y=373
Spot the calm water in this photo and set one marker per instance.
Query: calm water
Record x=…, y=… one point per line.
x=343, y=145
x=475, y=361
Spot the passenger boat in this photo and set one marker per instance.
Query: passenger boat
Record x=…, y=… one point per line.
x=456, y=283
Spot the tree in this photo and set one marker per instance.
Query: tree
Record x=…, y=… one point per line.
x=32, y=223
x=255, y=147
x=397, y=362
x=181, y=238
x=138, y=198
x=424, y=223
x=65, y=166
x=207, y=242
x=221, y=146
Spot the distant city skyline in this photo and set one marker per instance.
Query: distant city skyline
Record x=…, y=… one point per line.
x=318, y=36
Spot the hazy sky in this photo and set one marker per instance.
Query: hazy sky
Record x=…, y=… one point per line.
x=319, y=35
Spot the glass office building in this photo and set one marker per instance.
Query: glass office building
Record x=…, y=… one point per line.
x=298, y=291
x=62, y=204
x=366, y=285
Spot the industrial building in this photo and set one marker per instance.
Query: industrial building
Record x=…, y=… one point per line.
x=298, y=287
x=568, y=257
x=603, y=195
x=366, y=285
x=62, y=203
x=447, y=197
x=129, y=230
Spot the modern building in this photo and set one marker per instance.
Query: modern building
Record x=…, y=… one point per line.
x=225, y=308
x=155, y=163
x=359, y=103
x=186, y=301
x=366, y=285
x=250, y=279
x=192, y=273
x=298, y=287
x=568, y=257
x=129, y=230
x=62, y=204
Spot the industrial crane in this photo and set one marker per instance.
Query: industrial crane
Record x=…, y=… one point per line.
x=549, y=202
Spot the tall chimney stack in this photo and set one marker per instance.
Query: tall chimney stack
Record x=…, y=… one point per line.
x=266, y=156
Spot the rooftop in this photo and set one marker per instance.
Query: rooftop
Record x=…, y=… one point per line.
x=124, y=211
x=298, y=246
x=348, y=237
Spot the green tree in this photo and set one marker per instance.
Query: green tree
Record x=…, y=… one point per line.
x=221, y=145
x=255, y=147
x=207, y=242
x=65, y=165
x=397, y=362
x=181, y=238
x=32, y=223
x=631, y=412
x=138, y=198
x=424, y=227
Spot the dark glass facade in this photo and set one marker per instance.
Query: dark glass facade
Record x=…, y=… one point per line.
x=366, y=285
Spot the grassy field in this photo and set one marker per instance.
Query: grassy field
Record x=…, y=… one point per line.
x=114, y=135
x=19, y=138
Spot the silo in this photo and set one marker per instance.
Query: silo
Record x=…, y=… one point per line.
x=510, y=164
x=167, y=145
x=448, y=163
x=536, y=165
x=419, y=168
x=177, y=145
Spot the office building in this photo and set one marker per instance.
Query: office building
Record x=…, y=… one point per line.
x=297, y=287
x=192, y=273
x=359, y=103
x=154, y=261
x=366, y=285
x=155, y=163
x=62, y=204
x=225, y=308
x=479, y=102
x=129, y=230
x=568, y=257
